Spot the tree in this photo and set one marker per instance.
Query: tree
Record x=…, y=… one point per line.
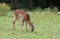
x=31, y=4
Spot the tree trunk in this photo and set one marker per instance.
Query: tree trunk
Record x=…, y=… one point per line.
x=12, y=4
x=31, y=4
x=51, y=4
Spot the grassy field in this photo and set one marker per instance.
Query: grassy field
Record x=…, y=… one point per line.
x=47, y=26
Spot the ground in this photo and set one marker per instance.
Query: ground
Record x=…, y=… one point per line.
x=47, y=26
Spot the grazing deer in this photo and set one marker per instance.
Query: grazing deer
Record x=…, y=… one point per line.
x=25, y=18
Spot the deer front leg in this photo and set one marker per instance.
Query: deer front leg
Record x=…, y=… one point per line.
x=13, y=27
x=22, y=24
x=26, y=25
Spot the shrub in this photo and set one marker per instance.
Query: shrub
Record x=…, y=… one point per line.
x=47, y=9
x=4, y=9
x=54, y=9
x=38, y=9
x=10, y=14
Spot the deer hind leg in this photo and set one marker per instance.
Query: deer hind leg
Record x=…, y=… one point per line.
x=13, y=27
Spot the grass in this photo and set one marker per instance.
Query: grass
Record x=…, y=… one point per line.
x=47, y=26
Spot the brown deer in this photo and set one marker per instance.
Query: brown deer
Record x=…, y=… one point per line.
x=25, y=18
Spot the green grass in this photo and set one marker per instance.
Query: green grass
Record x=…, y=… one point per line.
x=47, y=26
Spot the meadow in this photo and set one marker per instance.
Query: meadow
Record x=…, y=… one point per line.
x=47, y=26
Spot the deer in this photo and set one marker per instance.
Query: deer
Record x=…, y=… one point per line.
x=25, y=19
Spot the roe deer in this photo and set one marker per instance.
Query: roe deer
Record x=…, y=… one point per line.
x=25, y=18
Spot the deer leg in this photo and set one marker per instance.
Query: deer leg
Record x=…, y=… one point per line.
x=22, y=24
x=26, y=25
x=13, y=27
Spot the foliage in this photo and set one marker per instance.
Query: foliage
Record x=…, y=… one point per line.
x=38, y=9
x=48, y=10
x=10, y=14
x=54, y=9
x=18, y=4
x=4, y=9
